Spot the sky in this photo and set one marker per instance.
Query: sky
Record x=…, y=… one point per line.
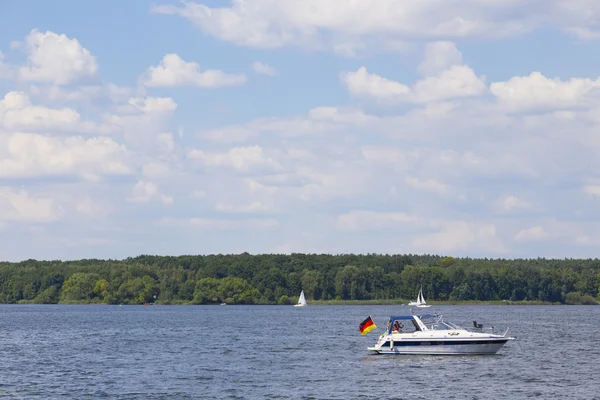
x=468, y=128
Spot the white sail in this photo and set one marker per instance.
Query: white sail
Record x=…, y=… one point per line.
x=420, y=299
x=301, y=300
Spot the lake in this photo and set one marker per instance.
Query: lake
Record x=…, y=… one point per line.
x=285, y=352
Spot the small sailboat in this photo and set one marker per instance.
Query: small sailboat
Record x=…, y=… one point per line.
x=420, y=300
x=301, y=300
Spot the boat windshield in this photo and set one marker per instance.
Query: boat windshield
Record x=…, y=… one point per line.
x=443, y=326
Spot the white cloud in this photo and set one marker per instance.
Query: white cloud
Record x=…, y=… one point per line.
x=430, y=185
x=579, y=17
x=240, y=158
x=228, y=134
x=34, y=155
x=269, y=24
x=453, y=236
x=361, y=220
x=451, y=168
x=456, y=82
x=156, y=169
x=512, y=203
x=146, y=191
x=362, y=83
x=166, y=141
x=21, y=207
x=253, y=207
x=55, y=58
x=531, y=234
x=18, y=114
x=328, y=181
x=398, y=159
x=317, y=120
x=439, y=56
x=537, y=91
x=592, y=190
x=140, y=118
x=156, y=105
x=209, y=224
x=103, y=94
x=173, y=71
x=92, y=208
x=198, y=194
x=263, y=69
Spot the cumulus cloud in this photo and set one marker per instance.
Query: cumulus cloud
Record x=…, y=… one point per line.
x=140, y=118
x=537, y=91
x=253, y=207
x=146, y=191
x=55, y=58
x=317, y=120
x=22, y=207
x=439, y=56
x=362, y=83
x=86, y=206
x=455, y=235
x=445, y=79
x=174, y=71
x=35, y=155
x=534, y=233
x=268, y=24
x=458, y=167
x=512, y=203
x=100, y=95
x=430, y=185
x=263, y=69
x=592, y=190
x=239, y=158
x=17, y=113
x=247, y=224
x=360, y=220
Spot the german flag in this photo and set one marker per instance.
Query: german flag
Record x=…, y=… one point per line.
x=367, y=326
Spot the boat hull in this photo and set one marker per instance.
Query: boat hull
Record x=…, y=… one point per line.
x=442, y=347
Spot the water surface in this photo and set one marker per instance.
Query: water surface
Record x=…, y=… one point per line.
x=285, y=352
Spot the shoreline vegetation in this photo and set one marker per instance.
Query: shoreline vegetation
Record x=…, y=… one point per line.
x=317, y=303
x=437, y=303
x=269, y=279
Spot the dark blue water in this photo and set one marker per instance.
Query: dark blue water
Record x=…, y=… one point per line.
x=282, y=352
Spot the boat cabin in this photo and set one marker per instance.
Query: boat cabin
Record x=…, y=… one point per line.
x=415, y=323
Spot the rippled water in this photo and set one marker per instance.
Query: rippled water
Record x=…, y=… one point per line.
x=283, y=352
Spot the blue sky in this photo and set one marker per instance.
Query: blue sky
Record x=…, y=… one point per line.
x=465, y=128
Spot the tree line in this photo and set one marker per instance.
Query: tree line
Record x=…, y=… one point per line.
x=278, y=279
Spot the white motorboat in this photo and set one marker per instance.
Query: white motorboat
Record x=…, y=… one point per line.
x=431, y=335
x=301, y=300
x=421, y=303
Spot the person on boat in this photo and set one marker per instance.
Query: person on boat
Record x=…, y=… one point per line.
x=398, y=327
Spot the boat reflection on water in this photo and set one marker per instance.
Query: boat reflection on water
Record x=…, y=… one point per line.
x=430, y=335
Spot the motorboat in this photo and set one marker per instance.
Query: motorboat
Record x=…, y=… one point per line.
x=430, y=335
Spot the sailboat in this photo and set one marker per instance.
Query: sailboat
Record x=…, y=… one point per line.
x=301, y=300
x=420, y=300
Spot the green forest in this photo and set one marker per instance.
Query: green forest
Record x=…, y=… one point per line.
x=278, y=279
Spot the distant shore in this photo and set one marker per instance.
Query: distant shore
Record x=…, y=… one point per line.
x=433, y=304
x=395, y=302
